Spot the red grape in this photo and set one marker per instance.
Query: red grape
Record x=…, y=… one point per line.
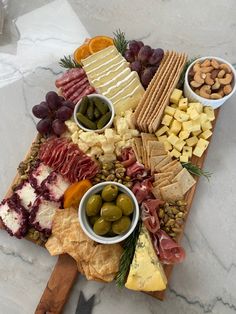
x=134, y=47
x=41, y=110
x=52, y=100
x=136, y=66
x=146, y=77
x=68, y=104
x=156, y=57
x=61, y=98
x=153, y=69
x=58, y=127
x=144, y=54
x=129, y=56
x=141, y=44
x=64, y=113
x=44, y=126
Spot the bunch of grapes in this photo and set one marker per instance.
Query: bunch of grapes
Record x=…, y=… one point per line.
x=53, y=112
x=144, y=60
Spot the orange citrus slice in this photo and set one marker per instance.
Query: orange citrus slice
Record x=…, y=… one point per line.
x=81, y=53
x=99, y=42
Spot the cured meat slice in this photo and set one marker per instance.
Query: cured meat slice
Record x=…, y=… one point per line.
x=42, y=213
x=88, y=90
x=142, y=190
x=14, y=217
x=150, y=214
x=69, y=76
x=38, y=175
x=128, y=157
x=67, y=86
x=27, y=195
x=54, y=187
x=77, y=87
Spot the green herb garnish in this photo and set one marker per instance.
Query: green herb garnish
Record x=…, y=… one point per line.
x=127, y=256
x=194, y=169
x=182, y=76
x=69, y=63
x=120, y=41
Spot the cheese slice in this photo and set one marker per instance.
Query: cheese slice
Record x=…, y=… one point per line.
x=111, y=50
x=114, y=81
x=146, y=272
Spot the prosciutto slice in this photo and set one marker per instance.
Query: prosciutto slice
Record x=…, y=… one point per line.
x=149, y=214
x=142, y=190
x=127, y=157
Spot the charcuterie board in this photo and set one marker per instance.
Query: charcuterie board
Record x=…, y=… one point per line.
x=123, y=144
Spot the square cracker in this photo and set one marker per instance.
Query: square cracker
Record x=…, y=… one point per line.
x=139, y=145
x=154, y=145
x=161, y=175
x=156, y=192
x=158, y=152
x=176, y=168
x=162, y=163
x=172, y=192
x=145, y=138
x=163, y=182
x=155, y=160
x=169, y=165
x=185, y=180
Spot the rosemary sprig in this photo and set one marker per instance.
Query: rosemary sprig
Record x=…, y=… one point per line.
x=127, y=256
x=120, y=41
x=69, y=63
x=194, y=169
x=187, y=64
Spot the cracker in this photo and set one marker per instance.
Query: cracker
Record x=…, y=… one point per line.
x=163, y=182
x=138, y=144
x=161, y=175
x=172, y=192
x=185, y=180
x=54, y=246
x=155, y=160
x=169, y=165
x=158, y=152
x=156, y=192
x=176, y=168
x=145, y=138
x=162, y=163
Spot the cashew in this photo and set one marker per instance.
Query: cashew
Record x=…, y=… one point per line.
x=221, y=74
x=216, y=85
x=197, y=91
x=225, y=81
x=195, y=84
x=215, y=96
x=205, y=91
x=214, y=74
x=221, y=92
x=198, y=78
x=227, y=89
x=209, y=80
x=206, y=69
x=206, y=63
x=225, y=67
x=215, y=64
x=196, y=67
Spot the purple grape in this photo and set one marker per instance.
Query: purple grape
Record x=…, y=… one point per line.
x=129, y=56
x=64, y=113
x=153, y=69
x=136, y=66
x=156, y=57
x=68, y=104
x=44, y=126
x=146, y=77
x=52, y=100
x=58, y=127
x=41, y=110
x=134, y=47
x=144, y=54
x=61, y=98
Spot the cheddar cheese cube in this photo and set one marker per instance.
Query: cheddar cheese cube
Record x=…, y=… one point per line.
x=183, y=158
x=206, y=134
x=194, y=114
x=175, y=127
x=196, y=133
x=202, y=143
x=210, y=113
x=203, y=117
x=167, y=146
x=192, y=141
x=162, y=130
x=183, y=104
x=196, y=105
x=183, y=135
x=174, y=106
x=170, y=110
x=198, y=151
x=162, y=138
x=172, y=139
x=175, y=153
x=181, y=116
x=166, y=120
x=187, y=150
x=196, y=126
x=175, y=96
x=206, y=125
x=179, y=145
x=187, y=126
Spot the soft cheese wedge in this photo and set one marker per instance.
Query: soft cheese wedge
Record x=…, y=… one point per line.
x=101, y=60
x=146, y=272
x=98, y=55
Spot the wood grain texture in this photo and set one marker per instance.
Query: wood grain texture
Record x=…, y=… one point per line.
x=58, y=287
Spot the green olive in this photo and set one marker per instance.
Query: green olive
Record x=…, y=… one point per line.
x=110, y=212
x=110, y=192
x=93, y=205
x=102, y=226
x=93, y=219
x=121, y=225
x=125, y=203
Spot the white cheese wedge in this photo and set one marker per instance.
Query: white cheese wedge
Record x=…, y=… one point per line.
x=27, y=195
x=130, y=101
x=146, y=272
x=114, y=81
x=99, y=55
x=96, y=62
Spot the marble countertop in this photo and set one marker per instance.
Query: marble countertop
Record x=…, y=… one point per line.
x=206, y=281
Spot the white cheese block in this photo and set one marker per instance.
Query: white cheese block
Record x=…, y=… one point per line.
x=100, y=56
x=114, y=81
x=10, y=218
x=109, y=66
x=27, y=195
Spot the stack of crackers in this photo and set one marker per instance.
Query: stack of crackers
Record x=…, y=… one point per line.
x=96, y=261
x=150, y=109
x=171, y=180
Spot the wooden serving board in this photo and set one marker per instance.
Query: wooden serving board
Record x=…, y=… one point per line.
x=65, y=272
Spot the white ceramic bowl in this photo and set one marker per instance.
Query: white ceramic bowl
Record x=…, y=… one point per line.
x=86, y=225
x=189, y=93
x=104, y=99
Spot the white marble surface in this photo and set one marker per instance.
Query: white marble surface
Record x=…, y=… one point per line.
x=206, y=281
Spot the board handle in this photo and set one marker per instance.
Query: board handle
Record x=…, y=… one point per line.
x=58, y=287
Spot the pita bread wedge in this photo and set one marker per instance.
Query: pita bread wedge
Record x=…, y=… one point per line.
x=162, y=163
x=172, y=192
x=185, y=180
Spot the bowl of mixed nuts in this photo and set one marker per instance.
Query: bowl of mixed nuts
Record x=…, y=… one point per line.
x=210, y=81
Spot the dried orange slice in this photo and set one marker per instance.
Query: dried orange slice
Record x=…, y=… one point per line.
x=99, y=42
x=81, y=53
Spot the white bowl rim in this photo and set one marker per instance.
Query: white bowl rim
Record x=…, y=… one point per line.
x=211, y=101
x=110, y=104
x=116, y=239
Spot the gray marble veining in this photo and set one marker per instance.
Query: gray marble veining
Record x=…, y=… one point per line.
x=206, y=281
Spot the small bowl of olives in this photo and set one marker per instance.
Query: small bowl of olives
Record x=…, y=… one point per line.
x=108, y=212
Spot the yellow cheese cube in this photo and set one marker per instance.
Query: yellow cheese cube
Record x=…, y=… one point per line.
x=175, y=96
x=198, y=151
x=166, y=120
x=194, y=114
x=196, y=125
x=169, y=132
x=183, y=158
x=203, y=117
x=179, y=145
x=169, y=110
x=196, y=133
x=162, y=130
x=192, y=141
x=183, y=104
x=167, y=145
x=175, y=127
x=196, y=105
x=206, y=134
x=172, y=139
x=175, y=153
x=162, y=138
x=183, y=135
x=174, y=106
x=187, y=150
x=210, y=113
x=181, y=116
x=187, y=126
x=202, y=143
x=206, y=125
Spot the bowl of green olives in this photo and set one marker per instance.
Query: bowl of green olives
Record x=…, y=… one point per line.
x=108, y=212
x=94, y=112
